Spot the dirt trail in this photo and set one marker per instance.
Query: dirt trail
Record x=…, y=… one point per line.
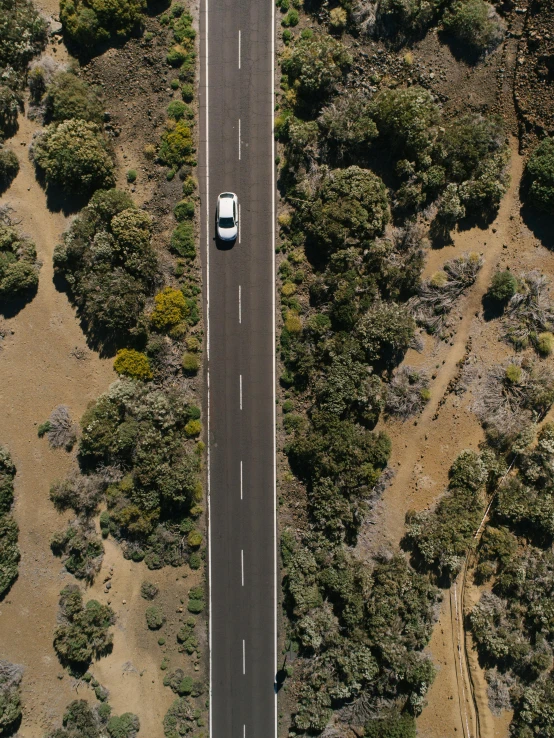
x=424, y=451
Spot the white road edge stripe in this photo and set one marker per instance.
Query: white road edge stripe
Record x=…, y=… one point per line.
x=242, y=566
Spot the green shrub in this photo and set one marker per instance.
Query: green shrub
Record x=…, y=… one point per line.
x=291, y=19
x=195, y=561
x=315, y=66
x=18, y=265
x=9, y=167
x=187, y=91
x=540, y=176
x=183, y=241
x=474, y=25
x=83, y=633
x=10, y=699
x=545, y=343
x=193, y=428
x=148, y=590
x=350, y=204
x=191, y=365
x=132, y=176
x=394, y=725
x=286, y=36
x=81, y=548
x=503, y=286
x=180, y=718
x=68, y=97
x=22, y=33
x=170, y=309
x=385, y=332
x=184, y=210
x=133, y=364
x=154, y=617
x=177, y=110
x=75, y=156
x=194, y=539
x=9, y=550
x=176, y=145
x=88, y=23
x=195, y=606
x=109, y=264
x=125, y=726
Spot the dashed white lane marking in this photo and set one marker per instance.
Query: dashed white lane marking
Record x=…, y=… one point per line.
x=243, y=657
x=242, y=566
x=244, y=731
x=239, y=49
x=240, y=390
x=239, y=139
x=240, y=303
x=241, y=480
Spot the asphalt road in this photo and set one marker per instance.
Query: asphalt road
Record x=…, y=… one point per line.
x=236, y=154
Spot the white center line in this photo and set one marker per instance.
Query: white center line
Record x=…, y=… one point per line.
x=244, y=731
x=241, y=480
x=239, y=139
x=240, y=306
x=239, y=49
x=242, y=566
x=240, y=387
x=243, y=657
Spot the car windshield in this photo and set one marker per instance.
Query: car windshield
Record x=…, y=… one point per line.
x=226, y=223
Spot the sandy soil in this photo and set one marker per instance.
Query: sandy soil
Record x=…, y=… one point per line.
x=38, y=371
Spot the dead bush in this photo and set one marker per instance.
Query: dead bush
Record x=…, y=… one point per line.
x=408, y=392
x=61, y=432
x=438, y=295
x=530, y=312
x=78, y=492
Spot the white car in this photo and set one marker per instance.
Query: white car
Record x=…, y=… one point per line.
x=227, y=216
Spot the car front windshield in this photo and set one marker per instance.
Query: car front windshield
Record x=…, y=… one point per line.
x=226, y=223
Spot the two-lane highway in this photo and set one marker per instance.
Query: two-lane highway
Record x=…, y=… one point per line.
x=237, y=155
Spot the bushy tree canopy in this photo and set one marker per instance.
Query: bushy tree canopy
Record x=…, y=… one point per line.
x=108, y=261
x=75, y=156
x=474, y=25
x=69, y=97
x=88, y=23
x=18, y=265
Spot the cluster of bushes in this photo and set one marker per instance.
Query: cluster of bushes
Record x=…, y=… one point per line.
x=512, y=623
x=134, y=453
x=459, y=166
x=440, y=539
x=351, y=650
x=110, y=266
x=83, y=633
x=528, y=310
x=81, y=549
x=10, y=697
x=89, y=23
x=80, y=720
x=184, y=685
x=9, y=530
x=18, y=265
x=75, y=156
x=182, y=718
x=22, y=35
x=513, y=395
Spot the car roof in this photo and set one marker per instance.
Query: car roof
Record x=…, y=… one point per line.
x=226, y=207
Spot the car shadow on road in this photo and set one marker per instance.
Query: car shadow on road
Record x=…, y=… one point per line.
x=224, y=245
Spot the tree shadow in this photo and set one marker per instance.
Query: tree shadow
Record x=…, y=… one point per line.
x=492, y=309
x=540, y=224
x=11, y=307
